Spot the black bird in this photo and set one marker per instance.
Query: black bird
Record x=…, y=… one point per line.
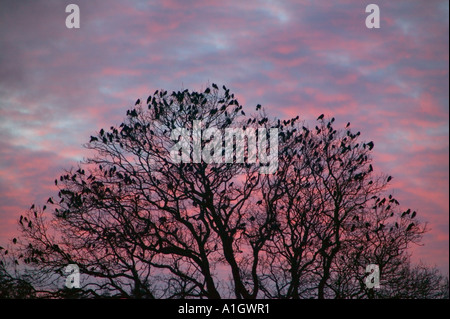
x=207, y=90
x=14, y=240
x=93, y=139
x=348, y=124
x=320, y=117
x=259, y=202
x=149, y=99
x=258, y=107
x=215, y=86
x=389, y=179
x=404, y=214
x=413, y=214
x=138, y=101
x=370, y=144
x=409, y=227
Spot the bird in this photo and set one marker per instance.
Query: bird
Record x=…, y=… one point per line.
x=149, y=99
x=409, y=227
x=259, y=202
x=258, y=107
x=215, y=86
x=413, y=214
x=320, y=117
x=14, y=240
x=138, y=101
x=348, y=124
x=370, y=144
x=389, y=179
x=406, y=213
x=207, y=90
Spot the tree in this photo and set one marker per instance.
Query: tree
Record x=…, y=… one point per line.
x=140, y=223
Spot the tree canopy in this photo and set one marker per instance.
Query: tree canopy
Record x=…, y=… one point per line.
x=140, y=225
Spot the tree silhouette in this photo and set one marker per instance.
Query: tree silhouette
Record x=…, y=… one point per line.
x=140, y=225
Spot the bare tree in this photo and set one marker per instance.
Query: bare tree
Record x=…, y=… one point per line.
x=139, y=224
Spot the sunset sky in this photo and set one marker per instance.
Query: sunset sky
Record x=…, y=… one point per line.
x=58, y=86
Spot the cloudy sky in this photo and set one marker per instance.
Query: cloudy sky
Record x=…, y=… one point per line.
x=58, y=86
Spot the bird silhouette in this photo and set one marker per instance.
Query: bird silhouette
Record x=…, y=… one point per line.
x=320, y=117
x=258, y=107
x=138, y=101
x=389, y=179
x=406, y=213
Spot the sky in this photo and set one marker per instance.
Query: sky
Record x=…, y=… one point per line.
x=58, y=86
